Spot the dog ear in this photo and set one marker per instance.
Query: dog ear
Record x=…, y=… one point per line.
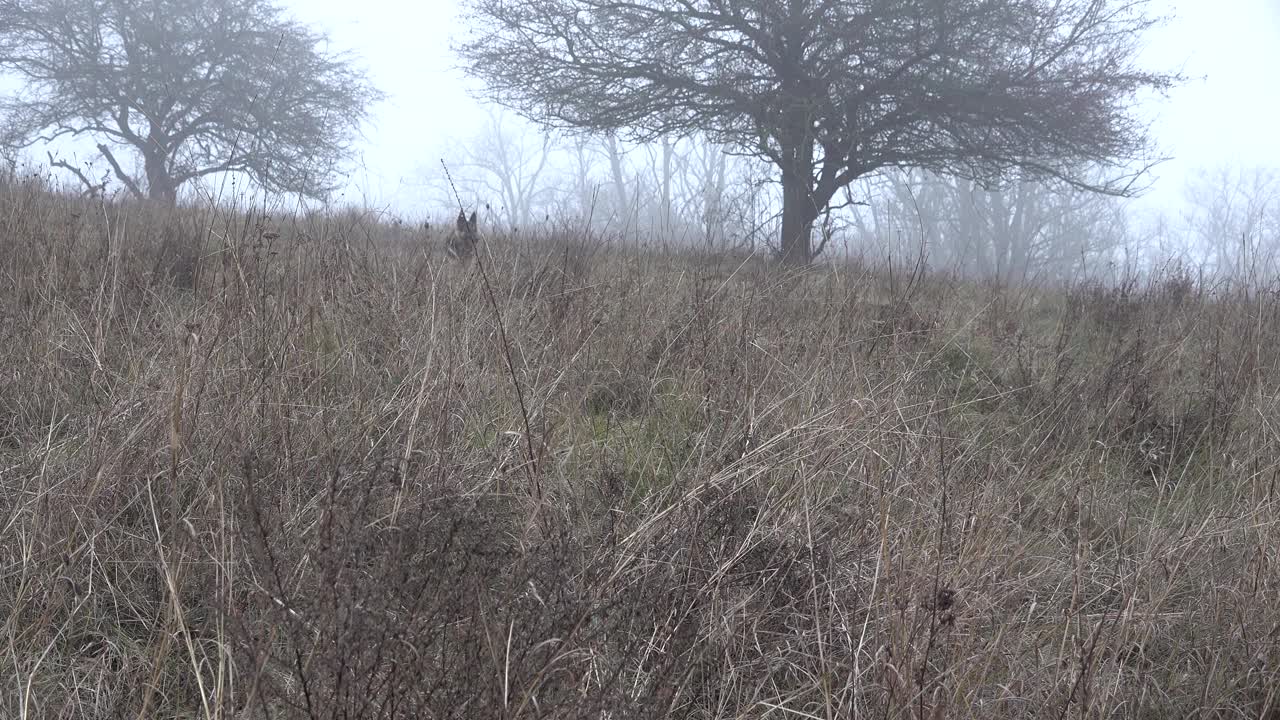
x=462, y=220
x=472, y=222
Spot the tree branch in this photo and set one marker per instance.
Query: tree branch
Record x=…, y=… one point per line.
x=121, y=175
x=90, y=188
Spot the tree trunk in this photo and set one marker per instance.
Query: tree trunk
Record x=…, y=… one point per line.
x=667, y=151
x=798, y=215
x=1001, y=234
x=973, y=248
x=714, y=216
x=619, y=180
x=160, y=186
x=800, y=206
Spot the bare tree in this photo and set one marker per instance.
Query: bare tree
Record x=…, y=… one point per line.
x=1024, y=230
x=193, y=87
x=622, y=187
x=830, y=90
x=662, y=161
x=1233, y=215
x=1028, y=229
x=511, y=165
x=701, y=179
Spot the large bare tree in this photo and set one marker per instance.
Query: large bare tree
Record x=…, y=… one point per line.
x=192, y=87
x=831, y=90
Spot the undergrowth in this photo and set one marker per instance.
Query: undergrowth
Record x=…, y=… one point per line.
x=310, y=467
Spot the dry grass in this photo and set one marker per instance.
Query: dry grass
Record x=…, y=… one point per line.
x=331, y=473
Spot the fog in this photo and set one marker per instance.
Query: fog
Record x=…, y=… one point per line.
x=1225, y=114
x=405, y=47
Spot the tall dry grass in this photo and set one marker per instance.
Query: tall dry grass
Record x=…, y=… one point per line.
x=308, y=467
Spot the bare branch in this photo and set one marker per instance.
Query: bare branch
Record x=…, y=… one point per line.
x=121, y=175
x=90, y=187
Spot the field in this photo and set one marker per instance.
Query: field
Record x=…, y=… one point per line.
x=257, y=467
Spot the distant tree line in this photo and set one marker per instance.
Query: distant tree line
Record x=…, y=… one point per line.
x=692, y=192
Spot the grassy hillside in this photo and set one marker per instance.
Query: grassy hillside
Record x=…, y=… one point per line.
x=253, y=467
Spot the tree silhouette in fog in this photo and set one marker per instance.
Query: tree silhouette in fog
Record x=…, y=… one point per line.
x=831, y=90
x=190, y=87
